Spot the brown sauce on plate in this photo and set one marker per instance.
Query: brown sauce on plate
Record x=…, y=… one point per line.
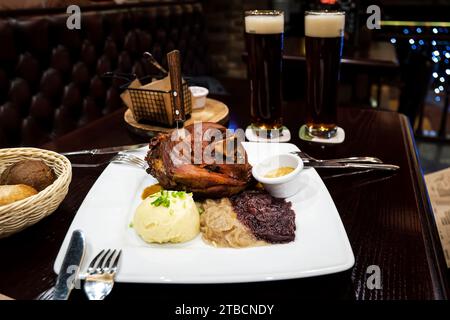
x=148, y=191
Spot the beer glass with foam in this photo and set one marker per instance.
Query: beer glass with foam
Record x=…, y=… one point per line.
x=264, y=41
x=324, y=32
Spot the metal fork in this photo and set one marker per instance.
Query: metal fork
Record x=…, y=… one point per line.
x=99, y=280
x=307, y=158
x=46, y=295
x=121, y=157
x=95, y=266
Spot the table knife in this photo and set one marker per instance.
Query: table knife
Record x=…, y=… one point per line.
x=106, y=150
x=348, y=165
x=70, y=266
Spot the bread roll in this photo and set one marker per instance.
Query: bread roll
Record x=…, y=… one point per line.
x=13, y=193
x=34, y=173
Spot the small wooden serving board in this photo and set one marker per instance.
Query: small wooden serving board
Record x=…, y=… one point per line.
x=214, y=111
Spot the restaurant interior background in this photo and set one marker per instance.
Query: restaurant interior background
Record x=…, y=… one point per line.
x=403, y=66
x=52, y=80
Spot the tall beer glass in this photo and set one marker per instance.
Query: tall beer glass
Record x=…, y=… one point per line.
x=324, y=32
x=264, y=41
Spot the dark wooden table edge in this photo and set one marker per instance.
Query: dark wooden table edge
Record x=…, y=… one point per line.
x=433, y=248
x=360, y=62
x=373, y=63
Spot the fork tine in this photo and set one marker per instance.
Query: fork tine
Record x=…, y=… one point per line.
x=115, y=262
x=302, y=154
x=107, y=264
x=140, y=160
x=123, y=158
x=129, y=160
x=117, y=156
x=102, y=262
x=95, y=260
x=47, y=294
x=141, y=163
x=128, y=163
x=134, y=158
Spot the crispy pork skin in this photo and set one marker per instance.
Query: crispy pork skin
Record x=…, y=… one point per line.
x=205, y=180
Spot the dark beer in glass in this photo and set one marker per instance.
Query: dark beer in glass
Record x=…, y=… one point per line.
x=264, y=41
x=324, y=32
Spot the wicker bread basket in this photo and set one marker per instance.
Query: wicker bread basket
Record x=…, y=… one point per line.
x=21, y=214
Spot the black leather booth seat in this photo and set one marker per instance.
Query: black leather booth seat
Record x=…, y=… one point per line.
x=51, y=77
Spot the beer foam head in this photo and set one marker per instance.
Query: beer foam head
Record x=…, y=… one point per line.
x=264, y=23
x=324, y=25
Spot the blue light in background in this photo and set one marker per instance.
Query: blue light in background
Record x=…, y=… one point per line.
x=393, y=40
x=440, y=54
x=233, y=125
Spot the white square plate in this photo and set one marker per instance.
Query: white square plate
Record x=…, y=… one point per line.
x=321, y=245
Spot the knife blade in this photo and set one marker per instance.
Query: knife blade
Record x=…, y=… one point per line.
x=70, y=266
x=349, y=165
x=107, y=150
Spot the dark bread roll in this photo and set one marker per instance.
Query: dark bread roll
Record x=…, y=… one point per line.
x=34, y=173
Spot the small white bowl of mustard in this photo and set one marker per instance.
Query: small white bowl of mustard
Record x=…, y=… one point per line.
x=279, y=174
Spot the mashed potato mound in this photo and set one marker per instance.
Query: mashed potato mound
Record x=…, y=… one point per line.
x=167, y=216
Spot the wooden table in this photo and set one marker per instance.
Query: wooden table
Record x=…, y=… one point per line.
x=387, y=218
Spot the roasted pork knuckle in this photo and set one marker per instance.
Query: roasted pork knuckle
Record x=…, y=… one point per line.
x=225, y=173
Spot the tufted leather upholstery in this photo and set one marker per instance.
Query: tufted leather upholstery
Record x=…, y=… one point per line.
x=50, y=76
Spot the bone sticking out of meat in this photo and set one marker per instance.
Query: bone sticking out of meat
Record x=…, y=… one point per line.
x=173, y=61
x=226, y=147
